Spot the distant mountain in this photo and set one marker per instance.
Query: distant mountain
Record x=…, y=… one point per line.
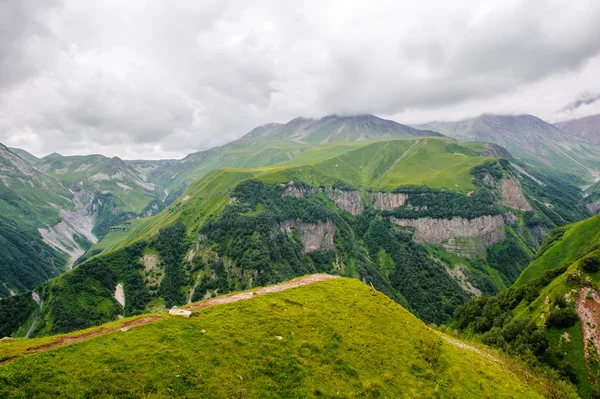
x=119, y=190
x=528, y=138
x=32, y=159
x=587, y=128
x=276, y=143
x=334, y=128
x=44, y=226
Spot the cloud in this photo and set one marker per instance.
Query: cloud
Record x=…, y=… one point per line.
x=162, y=79
x=584, y=98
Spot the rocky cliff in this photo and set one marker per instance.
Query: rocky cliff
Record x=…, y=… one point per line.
x=464, y=237
x=512, y=194
x=298, y=191
x=315, y=237
x=387, y=201
x=349, y=201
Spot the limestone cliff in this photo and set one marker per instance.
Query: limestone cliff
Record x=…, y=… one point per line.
x=387, y=201
x=314, y=237
x=464, y=237
x=349, y=201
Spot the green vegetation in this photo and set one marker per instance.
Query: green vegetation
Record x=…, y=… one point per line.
x=537, y=317
x=564, y=246
x=234, y=350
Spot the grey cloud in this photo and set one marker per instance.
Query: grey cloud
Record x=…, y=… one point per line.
x=581, y=100
x=160, y=78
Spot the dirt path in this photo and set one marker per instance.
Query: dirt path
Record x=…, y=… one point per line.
x=470, y=348
x=313, y=278
x=67, y=340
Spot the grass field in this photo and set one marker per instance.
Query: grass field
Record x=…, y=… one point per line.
x=328, y=339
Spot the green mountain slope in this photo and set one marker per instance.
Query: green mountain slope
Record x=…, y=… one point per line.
x=553, y=310
x=328, y=339
x=37, y=241
x=468, y=228
x=275, y=143
x=530, y=139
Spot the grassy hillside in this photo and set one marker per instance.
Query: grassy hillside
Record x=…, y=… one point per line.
x=564, y=246
x=334, y=338
x=552, y=310
x=29, y=200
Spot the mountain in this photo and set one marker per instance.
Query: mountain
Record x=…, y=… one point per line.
x=275, y=143
x=530, y=139
x=337, y=337
x=334, y=128
x=31, y=159
x=553, y=310
x=587, y=128
x=45, y=226
x=429, y=222
x=119, y=191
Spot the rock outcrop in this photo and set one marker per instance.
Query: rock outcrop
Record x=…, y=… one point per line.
x=588, y=309
x=349, y=201
x=298, y=191
x=464, y=237
x=512, y=194
x=315, y=237
x=387, y=201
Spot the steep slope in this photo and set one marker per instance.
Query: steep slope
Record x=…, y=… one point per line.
x=117, y=190
x=587, y=128
x=43, y=225
x=295, y=343
x=30, y=158
x=553, y=310
x=530, y=139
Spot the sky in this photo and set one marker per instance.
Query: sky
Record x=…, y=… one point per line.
x=160, y=79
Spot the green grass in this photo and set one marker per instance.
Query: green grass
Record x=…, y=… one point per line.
x=580, y=239
x=338, y=339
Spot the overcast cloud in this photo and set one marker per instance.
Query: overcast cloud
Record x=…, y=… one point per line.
x=153, y=79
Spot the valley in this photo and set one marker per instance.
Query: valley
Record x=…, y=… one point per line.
x=439, y=226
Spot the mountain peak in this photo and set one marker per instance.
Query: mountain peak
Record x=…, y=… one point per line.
x=334, y=127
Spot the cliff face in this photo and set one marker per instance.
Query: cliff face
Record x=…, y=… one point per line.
x=349, y=201
x=464, y=237
x=512, y=194
x=387, y=201
x=298, y=191
x=314, y=237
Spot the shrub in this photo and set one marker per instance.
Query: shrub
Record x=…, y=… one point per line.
x=560, y=301
x=562, y=318
x=591, y=264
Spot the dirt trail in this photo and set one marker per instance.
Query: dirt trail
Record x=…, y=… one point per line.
x=66, y=340
x=470, y=348
x=313, y=278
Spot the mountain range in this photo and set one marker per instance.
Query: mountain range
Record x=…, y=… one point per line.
x=439, y=217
